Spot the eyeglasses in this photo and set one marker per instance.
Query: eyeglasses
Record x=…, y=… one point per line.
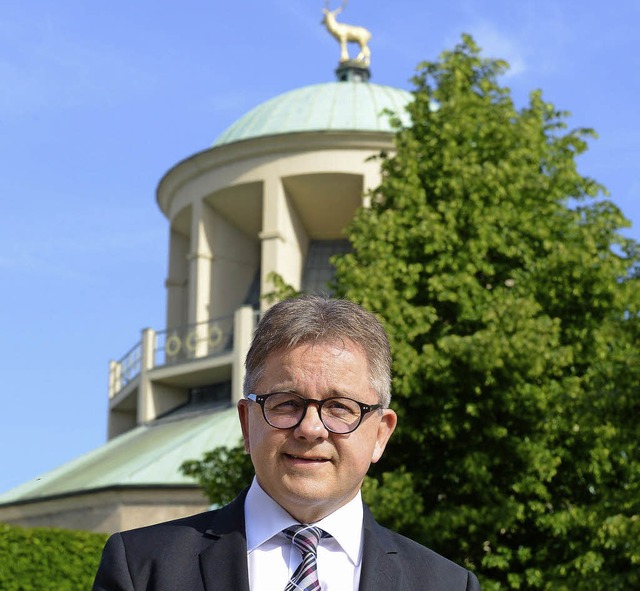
x=285, y=410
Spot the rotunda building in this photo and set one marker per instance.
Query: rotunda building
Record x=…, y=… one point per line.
x=277, y=187
x=272, y=195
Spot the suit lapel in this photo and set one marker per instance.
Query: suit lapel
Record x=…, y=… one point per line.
x=223, y=563
x=379, y=569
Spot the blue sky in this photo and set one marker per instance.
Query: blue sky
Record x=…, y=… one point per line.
x=98, y=100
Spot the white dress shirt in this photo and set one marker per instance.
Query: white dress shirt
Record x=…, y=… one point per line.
x=273, y=558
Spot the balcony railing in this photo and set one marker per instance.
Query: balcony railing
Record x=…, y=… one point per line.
x=172, y=346
x=193, y=341
x=129, y=366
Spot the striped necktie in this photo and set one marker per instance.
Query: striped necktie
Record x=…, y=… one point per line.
x=305, y=538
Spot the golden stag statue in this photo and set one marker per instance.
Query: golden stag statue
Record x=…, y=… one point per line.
x=345, y=33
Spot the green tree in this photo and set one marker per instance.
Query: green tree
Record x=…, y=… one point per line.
x=505, y=285
x=222, y=473
x=512, y=304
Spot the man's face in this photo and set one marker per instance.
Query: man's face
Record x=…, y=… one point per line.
x=309, y=471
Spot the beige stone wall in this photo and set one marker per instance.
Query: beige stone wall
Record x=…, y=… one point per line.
x=107, y=511
x=258, y=203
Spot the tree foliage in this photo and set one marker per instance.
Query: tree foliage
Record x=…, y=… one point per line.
x=512, y=303
x=222, y=473
x=506, y=288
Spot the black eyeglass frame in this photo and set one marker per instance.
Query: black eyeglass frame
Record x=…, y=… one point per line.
x=364, y=409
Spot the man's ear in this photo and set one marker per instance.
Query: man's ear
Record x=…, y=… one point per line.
x=243, y=415
x=385, y=429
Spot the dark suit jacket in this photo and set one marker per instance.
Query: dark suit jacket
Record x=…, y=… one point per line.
x=208, y=552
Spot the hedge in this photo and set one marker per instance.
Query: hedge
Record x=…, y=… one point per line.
x=44, y=559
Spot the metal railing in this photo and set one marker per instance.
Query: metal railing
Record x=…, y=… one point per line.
x=130, y=366
x=171, y=346
x=193, y=341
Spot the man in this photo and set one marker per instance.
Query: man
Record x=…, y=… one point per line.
x=315, y=416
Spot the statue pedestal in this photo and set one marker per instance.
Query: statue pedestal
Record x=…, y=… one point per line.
x=353, y=71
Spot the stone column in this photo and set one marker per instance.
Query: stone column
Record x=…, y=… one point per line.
x=146, y=404
x=243, y=327
x=200, y=258
x=284, y=240
x=115, y=378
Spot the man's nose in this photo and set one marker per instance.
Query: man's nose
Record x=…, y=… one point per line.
x=311, y=427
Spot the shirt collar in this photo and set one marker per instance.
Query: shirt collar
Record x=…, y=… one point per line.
x=345, y=526
x=265, y=519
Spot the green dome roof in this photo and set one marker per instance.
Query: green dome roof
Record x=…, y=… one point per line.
x=332, y=106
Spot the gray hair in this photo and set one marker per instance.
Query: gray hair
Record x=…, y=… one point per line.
x=315, y=319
